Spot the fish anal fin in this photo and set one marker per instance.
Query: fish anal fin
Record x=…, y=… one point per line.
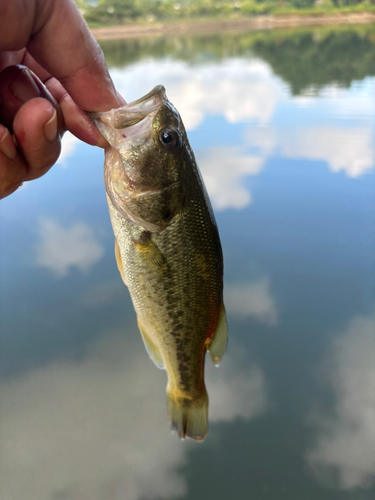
x=188, y=417
x=151, y=348
x=119, y=261
x=219, y=342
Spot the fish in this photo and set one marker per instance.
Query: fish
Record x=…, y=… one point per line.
x=167, y=249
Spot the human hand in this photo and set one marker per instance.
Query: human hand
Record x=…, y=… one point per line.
x=63, y=76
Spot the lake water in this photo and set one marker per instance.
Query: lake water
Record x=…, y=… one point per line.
x=282, y=124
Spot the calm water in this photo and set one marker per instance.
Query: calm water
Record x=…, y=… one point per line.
x=282, y=124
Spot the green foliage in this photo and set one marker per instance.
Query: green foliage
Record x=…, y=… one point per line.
x=305, y=59
x=309, y=60
x=114, y=11
x=110, y=12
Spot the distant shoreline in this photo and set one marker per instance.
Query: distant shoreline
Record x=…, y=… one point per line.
x=214, y=26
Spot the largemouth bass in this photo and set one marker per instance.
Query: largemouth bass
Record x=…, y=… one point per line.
x=167, y=248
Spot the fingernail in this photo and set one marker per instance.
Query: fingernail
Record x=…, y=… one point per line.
x=7, y=146
x=50, y=128
x=24, y=87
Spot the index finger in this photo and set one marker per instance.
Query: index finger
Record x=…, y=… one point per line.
x=62, y=44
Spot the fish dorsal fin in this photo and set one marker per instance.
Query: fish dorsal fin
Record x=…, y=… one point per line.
x=119, y=262
x=151, y=348
x=219, y=342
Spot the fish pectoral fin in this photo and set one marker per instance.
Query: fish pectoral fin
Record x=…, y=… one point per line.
x=119, y=262
x=150, y=253
x=220, y=339
x=151, y=348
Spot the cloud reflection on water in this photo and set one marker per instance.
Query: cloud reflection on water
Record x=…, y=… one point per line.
x=239, y=89
x=97, y=428
x=253, y=299
x=348, y=150
x=59, y=248
x=223, y=170
x=344, y=450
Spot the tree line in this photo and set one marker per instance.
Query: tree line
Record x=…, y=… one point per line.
x=110, y=12
x=306, y=59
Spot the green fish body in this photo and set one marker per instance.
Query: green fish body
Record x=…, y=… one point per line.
x=167, y=249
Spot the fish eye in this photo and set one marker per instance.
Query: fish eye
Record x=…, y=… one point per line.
x=168, y=138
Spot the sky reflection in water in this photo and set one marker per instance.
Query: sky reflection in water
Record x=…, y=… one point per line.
x=292, y=407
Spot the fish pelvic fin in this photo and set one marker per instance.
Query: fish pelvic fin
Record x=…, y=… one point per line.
x=188, y=417
x=219, y=342
x=151, y=348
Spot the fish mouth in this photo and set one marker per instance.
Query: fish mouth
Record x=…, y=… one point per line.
x=131, y=120
x=135, y=111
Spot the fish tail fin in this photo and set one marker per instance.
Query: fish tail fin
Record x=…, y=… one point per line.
x=188, y=417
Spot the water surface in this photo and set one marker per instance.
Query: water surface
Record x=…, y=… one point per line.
x=282, y=124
